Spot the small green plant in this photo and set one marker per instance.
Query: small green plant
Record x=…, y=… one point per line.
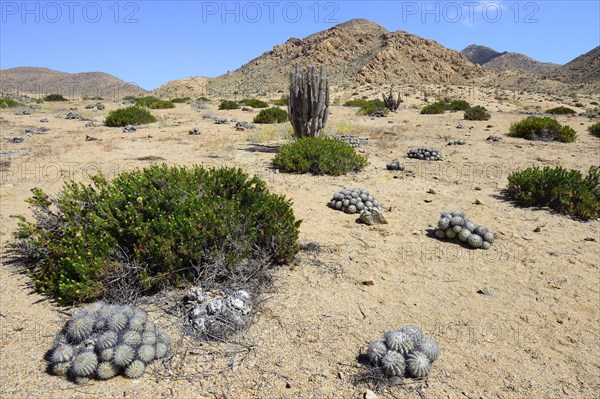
x=457, y=105
x=593, y=103
x=6, y=102
x=203, y=99
x=434, y=108
x=271, y=115
x=318, y=155
x=477, y=113
x=158, y=226
x=129, y=116
x=282, y=102
x=55, y=97
x=561, y=111
x=594, y=129
x=154, y=103
x=254, y=103
x=564, y=191
x=130, y=98
x=229, y=104
x=372, y=106
x=544, y=129
x=356, y=103
x=180, y=100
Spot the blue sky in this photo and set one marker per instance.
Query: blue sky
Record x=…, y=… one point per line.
x=151, y=42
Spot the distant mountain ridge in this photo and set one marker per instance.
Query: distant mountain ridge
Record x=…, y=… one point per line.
x=583, y=69
x=495, y=61
x=40, y=82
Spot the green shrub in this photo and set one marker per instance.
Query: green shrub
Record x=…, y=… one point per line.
x=457, y=105
x=271, y=115
x=545, y=129
x=130, y=98
x=434, y=108
x=372, y=106
x=561, y=111
x=180, y=100
x=129, y=116
x=6, y=102
x=565, y=191
x=477, y=113
x=319, y=155
x=203, y=99
x=154, y=103
x=356, y=103
x=229, y=104
x=157, y=227
x=594, y=129
x=55, y=97
x=254, y=103
x=282, y=102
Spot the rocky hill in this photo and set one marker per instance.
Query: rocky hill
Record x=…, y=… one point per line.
x=191, y=87
x=357, y=52
x=495, y=61
x=583, y=69
x=39, y=82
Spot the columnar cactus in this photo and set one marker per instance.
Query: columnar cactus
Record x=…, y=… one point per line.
x=102, y=340
x=403, y=352
x=308, y=106
x=389, y=101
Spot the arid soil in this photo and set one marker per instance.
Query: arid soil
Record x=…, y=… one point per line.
x=536, y=336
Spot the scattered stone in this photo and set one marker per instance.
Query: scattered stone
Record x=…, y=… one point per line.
x=395, y=165
x=527, y=237
x=73, y=116
x=16, y=140
x=431, y=191
x=428, y=201
x=537, y=229
x=245, y=125
x=23, y=111
x=486, y=291
x=494, y=138
x=477, y=202
x=44, y=120
x=129, y=128
x=372, y=217
x=460, y=126
x=100, y=106
x=590, y=239
x=195, y=131
x=425, y=154
x=90, y=138
x=90, y=106
x=477, y=188
x=377, y=114
x=368, y=282
x=42, y=130
x=29, y=130
x=90, y=124
x=369, y=394
x=35, y=106
x=457, y=142
x=220, y=121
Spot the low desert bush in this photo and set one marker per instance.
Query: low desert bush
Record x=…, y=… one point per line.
x=154, y=103
x=595, y=129
x=254, y=103
x=544, y=129
x=319, y=155
x=282, y=102
x=55, y=97
x=565, y=191
x=271, y=115
x=173, y=224
x=129, y=116
x=6, y=102
x=477, y=113
x=229, y=104
x=434, y=108
x=457, y=105
x=561, y=111
x=180, y=100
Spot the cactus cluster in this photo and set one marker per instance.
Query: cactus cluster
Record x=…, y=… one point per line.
x=352, y=141
x=425, y=154
x=354, y=200
x=214, y=316
x=403, y=352
x=102, y=341
x=391, y=104
x=455, y=225
x=395, y=165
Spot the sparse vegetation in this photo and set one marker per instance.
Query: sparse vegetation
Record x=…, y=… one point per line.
x=254, y=103
x=6, y=102
x=271, y=115
x=203, y=99
x=129, y=116
x=561, y=111
x=439, y=107
x=54, y=97
x=565, y=191
x=319, y=155
x=168, y=224
x=434, y=108
x=595, y=129
x=154, y=103
x=544, y=129
x=180, y=100
x=477, y=113
x=457, y=105
x=229, y=104
x=283, y=101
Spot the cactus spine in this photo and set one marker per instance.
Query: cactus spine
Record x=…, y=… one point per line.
x=308, y=106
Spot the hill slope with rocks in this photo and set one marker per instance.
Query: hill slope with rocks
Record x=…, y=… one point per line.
x=495, y=61
x=583, y=69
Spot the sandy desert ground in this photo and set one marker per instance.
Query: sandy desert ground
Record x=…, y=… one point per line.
x=538, y=336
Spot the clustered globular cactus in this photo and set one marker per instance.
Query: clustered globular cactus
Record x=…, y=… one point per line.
x=454, y=224
x=102, y=341
x=354, y=200
x=352, y=141
x=403, y=352
x=214, y=316
x=395, y=165
x=425, y=154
